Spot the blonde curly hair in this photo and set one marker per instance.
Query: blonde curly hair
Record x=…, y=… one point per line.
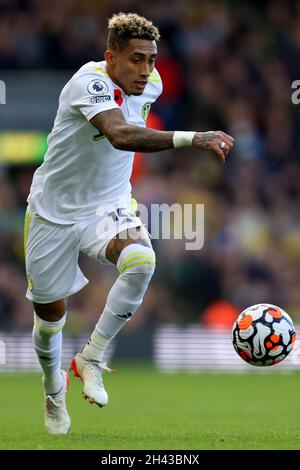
x=125, y=26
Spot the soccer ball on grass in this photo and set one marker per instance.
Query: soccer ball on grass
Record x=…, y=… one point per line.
x=263, y=335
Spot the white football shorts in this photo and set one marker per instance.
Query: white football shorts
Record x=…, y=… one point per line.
x=52, y=251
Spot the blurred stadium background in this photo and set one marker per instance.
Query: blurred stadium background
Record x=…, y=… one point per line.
x=225, y=65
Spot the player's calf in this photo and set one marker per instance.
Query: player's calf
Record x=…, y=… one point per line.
x=136, y=266
x=47, y=341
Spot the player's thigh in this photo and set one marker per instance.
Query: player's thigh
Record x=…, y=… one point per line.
x=51, y=253
x=104, y=236
x=126, y=237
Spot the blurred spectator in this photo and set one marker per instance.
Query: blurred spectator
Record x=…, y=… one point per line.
x=225, y=65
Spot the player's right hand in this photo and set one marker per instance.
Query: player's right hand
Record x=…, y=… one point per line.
x=217, y=141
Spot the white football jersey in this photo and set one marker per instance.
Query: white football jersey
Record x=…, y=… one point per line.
x=82, y=173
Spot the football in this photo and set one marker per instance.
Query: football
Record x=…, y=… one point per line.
x=263, y=335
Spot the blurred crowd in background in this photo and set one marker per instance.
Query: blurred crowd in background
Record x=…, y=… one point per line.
x=225, y=65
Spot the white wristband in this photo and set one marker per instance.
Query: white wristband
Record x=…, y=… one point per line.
x=183, y=139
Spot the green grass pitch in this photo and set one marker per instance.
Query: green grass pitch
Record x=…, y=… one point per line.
x=151, y=410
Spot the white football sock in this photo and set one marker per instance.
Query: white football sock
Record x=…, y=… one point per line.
x=47, y=340
x=136, y=265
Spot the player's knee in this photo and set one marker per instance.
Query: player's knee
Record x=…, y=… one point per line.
x=137, y=259
x=51, y=312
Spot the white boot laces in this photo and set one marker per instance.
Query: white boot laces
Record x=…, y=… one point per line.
x=50, y=401
x=96, y=369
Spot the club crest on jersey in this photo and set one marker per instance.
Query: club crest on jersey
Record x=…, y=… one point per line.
x=97, y=87
x=146, y=110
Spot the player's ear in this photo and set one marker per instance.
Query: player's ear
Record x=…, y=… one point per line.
x=109, y=56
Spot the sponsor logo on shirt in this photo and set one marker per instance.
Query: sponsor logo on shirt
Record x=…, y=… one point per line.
x=97, y=87
x=146, y=110
x=100, y=99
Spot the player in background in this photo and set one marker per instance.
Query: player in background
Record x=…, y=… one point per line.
x=80, y=200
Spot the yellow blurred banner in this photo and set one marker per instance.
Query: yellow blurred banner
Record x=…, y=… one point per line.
x=22, y=147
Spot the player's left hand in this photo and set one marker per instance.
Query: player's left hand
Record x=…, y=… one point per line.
x=217, y=141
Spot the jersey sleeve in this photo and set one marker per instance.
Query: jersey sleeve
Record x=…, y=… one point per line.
x=92, y=94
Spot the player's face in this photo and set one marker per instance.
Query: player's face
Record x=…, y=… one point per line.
x=133, y=65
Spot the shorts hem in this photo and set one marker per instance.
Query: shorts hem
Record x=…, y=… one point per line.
x=101, y=253
x=37, y=300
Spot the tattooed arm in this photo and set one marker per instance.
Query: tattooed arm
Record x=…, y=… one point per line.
x=124, y=136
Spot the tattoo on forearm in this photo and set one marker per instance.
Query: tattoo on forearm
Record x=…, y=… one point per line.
x=139, y=139
x=130, y=137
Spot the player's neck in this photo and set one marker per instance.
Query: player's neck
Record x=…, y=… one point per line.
x=114, y=78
